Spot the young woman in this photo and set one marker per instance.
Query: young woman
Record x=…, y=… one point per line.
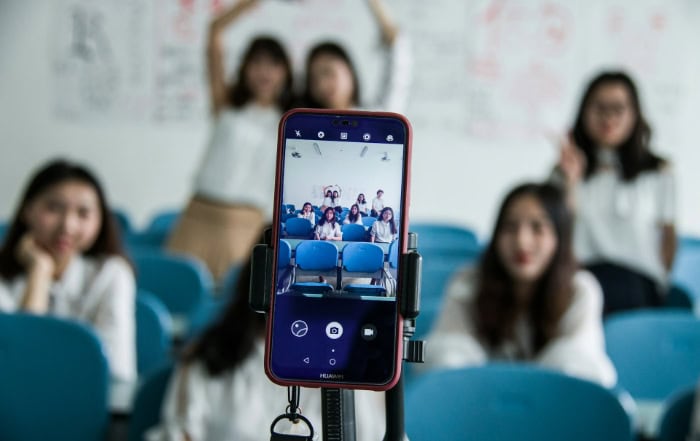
x=62, y=256
x=362, y=204
x=332, y=81
x=623, y=194
x=235, y=181
x=307, y=212
x=354, y=216
x=384, y=229
x=328, y=227
x=337, y=204
x=220, y=390
x=526, y=300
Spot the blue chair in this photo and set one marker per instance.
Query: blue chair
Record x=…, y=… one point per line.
x=153, y=333
x=284, y=266
x=146, y=408
x=512, y=402
x=183, y=283
x=298, y=227
x=656, y=352
x=677, y=416
x=315, y=258
x=354, y=233
x=445, y=250
x=685, y=268
x=54, y=380
x=363, y=259
x=367, y=221
x=156, y=234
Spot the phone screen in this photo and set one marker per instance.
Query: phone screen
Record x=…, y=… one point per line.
x=334, y=317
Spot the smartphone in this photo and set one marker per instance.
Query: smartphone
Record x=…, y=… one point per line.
x=334, y=318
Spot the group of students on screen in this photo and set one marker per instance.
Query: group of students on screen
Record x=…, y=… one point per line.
x=383, y=230
x=559, y=253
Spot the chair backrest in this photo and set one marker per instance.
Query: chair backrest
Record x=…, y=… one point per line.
x=54, y=380
x=353, y=232
x=444, y=237
x=316, y=255
x=685, y=268
x=126, y=227
x=362, y=257
x=146, y=408
x=164, y=220
x=512, y=402
x=394, y=254
x=656, y=352
x=154, y=333
x=367, y=221
x=182, y=283
x=298, y=227
x=677, y=416
x=284, y=254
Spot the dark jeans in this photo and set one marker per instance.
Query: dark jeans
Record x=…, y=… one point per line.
x=624, y=288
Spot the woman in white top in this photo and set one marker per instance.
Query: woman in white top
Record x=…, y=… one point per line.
x=62, y=256
x=332, y=81
x=624, y=195
x=354, y=216
x=220, y=390
x=234, y=184
x=328, y=227
x=526, y=300
x=384, y=229
x=362, y=204
x=307, y=212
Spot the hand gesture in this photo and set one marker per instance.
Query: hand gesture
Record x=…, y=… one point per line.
x=32, y=256
x=572, y=161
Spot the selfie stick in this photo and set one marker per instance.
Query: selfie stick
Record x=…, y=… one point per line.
x=338, y=407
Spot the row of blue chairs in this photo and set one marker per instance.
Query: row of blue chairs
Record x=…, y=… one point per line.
x=321, y=259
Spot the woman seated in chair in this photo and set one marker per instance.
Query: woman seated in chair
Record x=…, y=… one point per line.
x=220, y=390
x=328, y=227
x=354, y=216
x=384, y=229
x=527, y=300
x=307, y=212
x=63, y=257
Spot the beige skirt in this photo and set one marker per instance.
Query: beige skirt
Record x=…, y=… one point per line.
x=221, y=235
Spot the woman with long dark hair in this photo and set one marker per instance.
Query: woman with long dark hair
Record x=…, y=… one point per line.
x=234, y=185
x=384, y=229
x=526, y=300
x=328, y=227
x=623, y=194
x=62, y=256
x=332, y=81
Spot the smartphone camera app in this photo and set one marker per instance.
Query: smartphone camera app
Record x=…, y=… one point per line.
x=341, y=227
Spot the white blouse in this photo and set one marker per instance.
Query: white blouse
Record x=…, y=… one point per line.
x=98, y=292
x=238, y=166
x=381, y=231
x=241, y=405
x=620, y=222
x=328, y=230
x=579, y=349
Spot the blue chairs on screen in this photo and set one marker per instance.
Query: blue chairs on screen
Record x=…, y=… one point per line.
x=183, y=283
x=153, y=333
x=677, y=416
x=354, y=233
x=284, y=266
x=365, y=260
x=368, y=221
x=298, y=227
x=512, y=402
x=318, y=259
x=656, y=352
x=146, y=408
x=54, y=380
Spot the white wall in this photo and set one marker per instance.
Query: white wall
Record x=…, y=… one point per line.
x=493, y=80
